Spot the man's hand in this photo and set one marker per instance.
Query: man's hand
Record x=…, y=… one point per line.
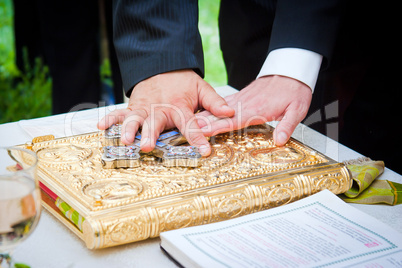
x=269, y=98
x=165, y=101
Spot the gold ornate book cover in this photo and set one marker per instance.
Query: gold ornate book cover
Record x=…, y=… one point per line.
x=245, y=173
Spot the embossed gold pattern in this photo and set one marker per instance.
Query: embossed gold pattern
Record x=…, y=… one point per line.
x=245, y=173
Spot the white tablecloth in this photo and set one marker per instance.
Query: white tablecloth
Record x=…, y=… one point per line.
x=53, y=245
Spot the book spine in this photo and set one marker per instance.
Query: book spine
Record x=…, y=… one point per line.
x=213, y=205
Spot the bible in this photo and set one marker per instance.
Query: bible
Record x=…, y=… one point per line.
x=317, y=231
x=108, y=205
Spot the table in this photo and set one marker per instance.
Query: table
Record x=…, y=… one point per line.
x=53, y=245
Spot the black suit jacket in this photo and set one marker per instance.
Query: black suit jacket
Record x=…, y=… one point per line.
x=157, y=36
x=358, y=83
x=250, y=29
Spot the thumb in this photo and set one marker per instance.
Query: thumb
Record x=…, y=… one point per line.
x=285, y=127
x=212, y=102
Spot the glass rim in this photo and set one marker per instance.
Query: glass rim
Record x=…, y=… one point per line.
x=30, y=167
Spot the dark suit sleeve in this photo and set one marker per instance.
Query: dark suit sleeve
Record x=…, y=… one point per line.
x=307, y=24
x=156, y=36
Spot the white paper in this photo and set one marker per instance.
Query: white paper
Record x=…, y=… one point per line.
x=317, y=231
x=68, y=124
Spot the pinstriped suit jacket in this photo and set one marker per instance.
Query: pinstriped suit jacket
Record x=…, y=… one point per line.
x=156, y=36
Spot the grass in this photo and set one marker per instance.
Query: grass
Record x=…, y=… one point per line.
x=26, y=93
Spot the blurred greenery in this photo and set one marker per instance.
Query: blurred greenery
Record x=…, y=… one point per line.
x=23, y=93
x=26, y=93
x=215, y=72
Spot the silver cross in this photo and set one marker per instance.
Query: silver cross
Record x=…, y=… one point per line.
x=118, y=155
x=121, y=156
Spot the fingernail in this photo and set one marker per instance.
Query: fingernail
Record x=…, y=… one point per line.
x=281, y=138
x=127, y=137
x=227, y=108
x=144, y=141
x=204, y=150
x=101, y=122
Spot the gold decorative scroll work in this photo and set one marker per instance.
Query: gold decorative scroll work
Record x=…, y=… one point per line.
x=245, y=173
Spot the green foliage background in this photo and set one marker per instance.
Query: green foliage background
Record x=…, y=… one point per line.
x=215, y=72
x=26, y=93
x=23, y=94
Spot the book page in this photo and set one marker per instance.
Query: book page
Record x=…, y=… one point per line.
x=320, y=230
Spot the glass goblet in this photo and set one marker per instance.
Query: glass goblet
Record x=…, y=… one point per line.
x=19, y=199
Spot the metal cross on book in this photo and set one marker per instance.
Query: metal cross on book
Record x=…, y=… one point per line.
x=168, y=148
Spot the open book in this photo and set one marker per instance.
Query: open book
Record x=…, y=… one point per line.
x=317, y=231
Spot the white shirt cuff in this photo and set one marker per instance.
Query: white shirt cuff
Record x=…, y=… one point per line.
x=300, y=64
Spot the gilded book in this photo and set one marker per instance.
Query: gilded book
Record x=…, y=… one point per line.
x=244, y=174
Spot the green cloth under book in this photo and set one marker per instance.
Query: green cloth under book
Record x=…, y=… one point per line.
x=366, y=188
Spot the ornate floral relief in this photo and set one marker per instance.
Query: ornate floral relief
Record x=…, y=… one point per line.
x=177, y=197
x=178, y=218
x=331, y=182
x=64, y=154
x=124, y=231
x=233, y=156
x=77, y=181
x=280, y=196
x=277, y=155
x=277, y=195
x=230, y=207
x=112, y=189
